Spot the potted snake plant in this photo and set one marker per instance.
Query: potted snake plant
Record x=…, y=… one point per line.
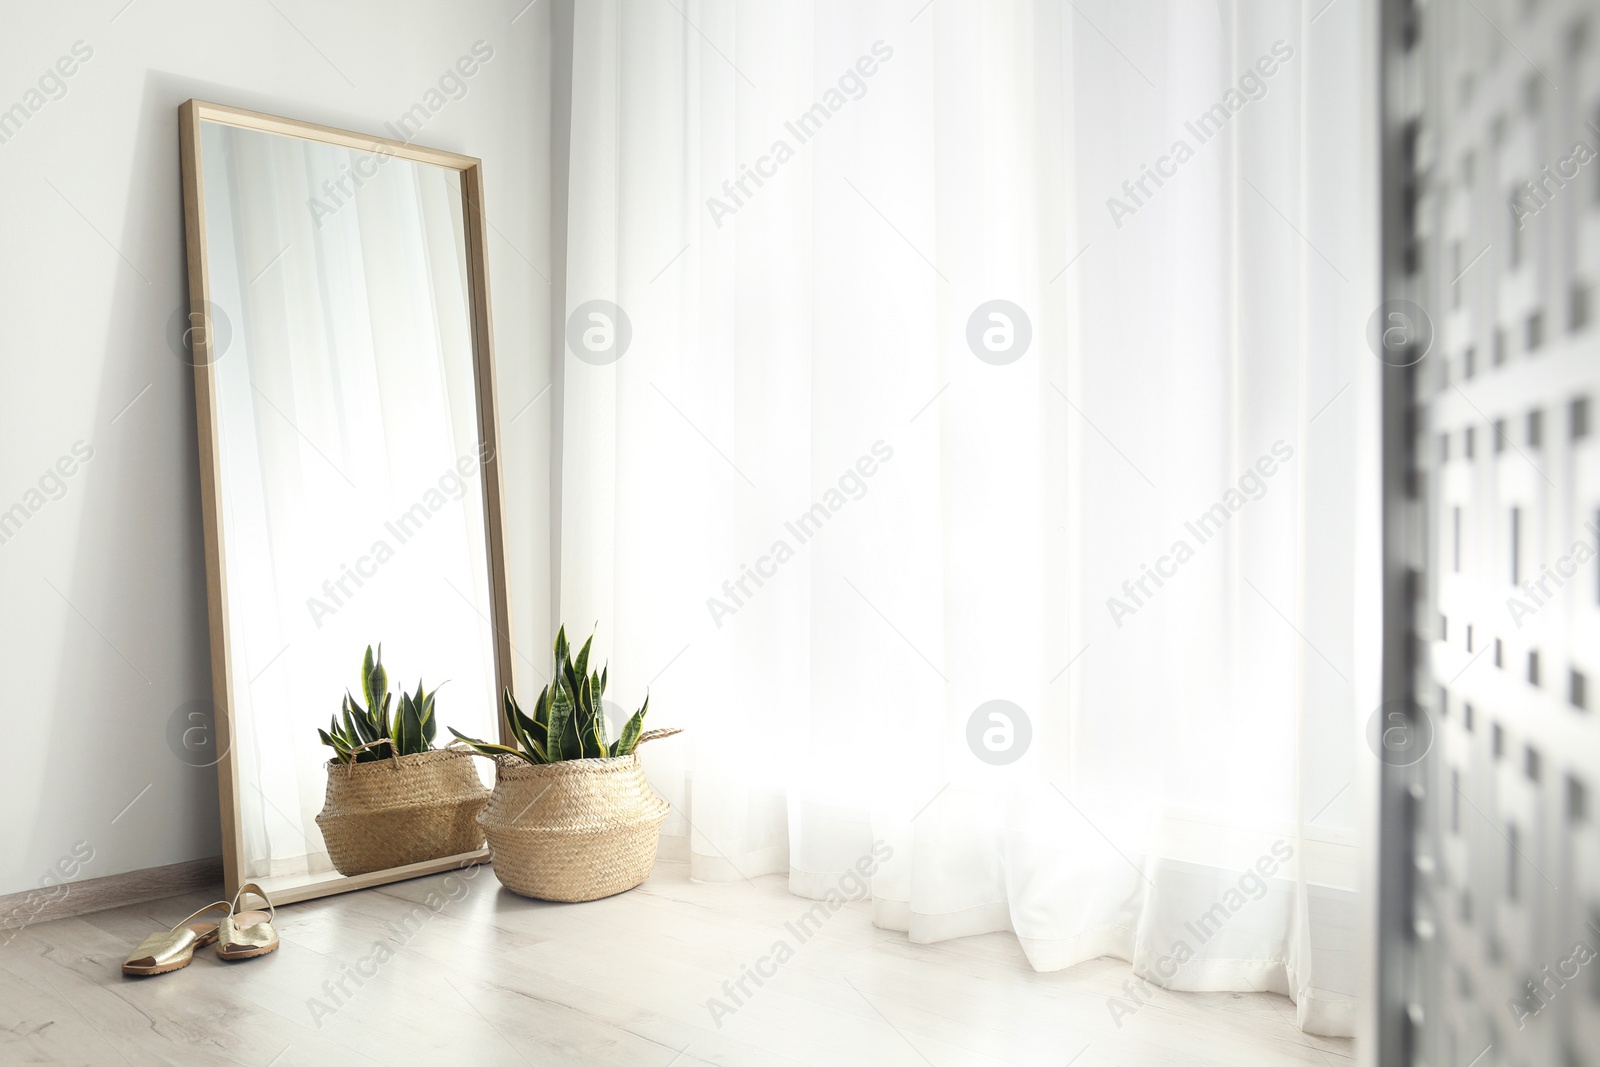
x=393, y=799
x=572, y=817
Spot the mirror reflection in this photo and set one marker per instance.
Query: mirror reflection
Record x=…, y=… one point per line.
x=350, y=463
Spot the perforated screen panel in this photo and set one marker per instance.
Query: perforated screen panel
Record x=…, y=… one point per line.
x=1491, y=954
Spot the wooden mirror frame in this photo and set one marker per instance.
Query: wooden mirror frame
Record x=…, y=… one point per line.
x=290, y=888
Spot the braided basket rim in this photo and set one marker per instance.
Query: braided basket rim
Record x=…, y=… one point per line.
x=390, y=764
x=517, y=767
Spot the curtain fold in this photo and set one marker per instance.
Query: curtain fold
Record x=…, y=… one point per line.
x=976, y=484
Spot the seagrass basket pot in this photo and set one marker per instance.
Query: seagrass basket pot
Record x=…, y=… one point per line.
x=405, y=809
x=574, y=830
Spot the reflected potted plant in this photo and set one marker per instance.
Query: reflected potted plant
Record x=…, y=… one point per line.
x=393, y=799
x=572, y=817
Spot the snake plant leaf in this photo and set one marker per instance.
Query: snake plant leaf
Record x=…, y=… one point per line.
x=341, y=751
x=527, y=734
x=357, y=722
x=583, y=720
x=377, y=726
x=408, y=736
x=516, y=723
x=531, y=748
x=580, y=705
x=604, y=670
x=573, y=741
x=601, y=727
x=530, y=732
x=430, y=725
x=508, y=710
x=398, y=728
x=580, y=669
x=391, y=725
x=630, y=737
x=536, y=749
x=563, y=650
x=486, y=748
x=522, y=742
x=417, y=731
x=540, y=754
x=568, y=679
x=595, y=745
x=560, y=725
x=375, y=682
x=420, y=703
x=632, y=731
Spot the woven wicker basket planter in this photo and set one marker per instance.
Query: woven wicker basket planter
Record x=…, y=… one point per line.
x=574, y=830
x=392, y=812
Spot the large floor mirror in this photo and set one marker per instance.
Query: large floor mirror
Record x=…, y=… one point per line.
x=340, y=334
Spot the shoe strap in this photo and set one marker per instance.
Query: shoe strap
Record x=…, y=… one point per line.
x=195, y=915
x=252, y=887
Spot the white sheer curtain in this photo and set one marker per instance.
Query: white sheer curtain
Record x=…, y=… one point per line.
x=826, y=511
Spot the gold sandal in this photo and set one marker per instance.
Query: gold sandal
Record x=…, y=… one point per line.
x=174, y=949
x=246, y=934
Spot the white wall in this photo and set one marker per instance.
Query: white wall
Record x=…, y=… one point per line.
x=104, y=630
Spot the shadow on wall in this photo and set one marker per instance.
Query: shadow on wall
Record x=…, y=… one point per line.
x=136, y=584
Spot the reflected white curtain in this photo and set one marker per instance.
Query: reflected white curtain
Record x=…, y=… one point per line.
x=352, y=504
x=822, y=531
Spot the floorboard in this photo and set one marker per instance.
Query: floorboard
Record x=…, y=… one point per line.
x=452, y=969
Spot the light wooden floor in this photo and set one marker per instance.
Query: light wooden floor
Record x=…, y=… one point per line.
x=492, y=978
